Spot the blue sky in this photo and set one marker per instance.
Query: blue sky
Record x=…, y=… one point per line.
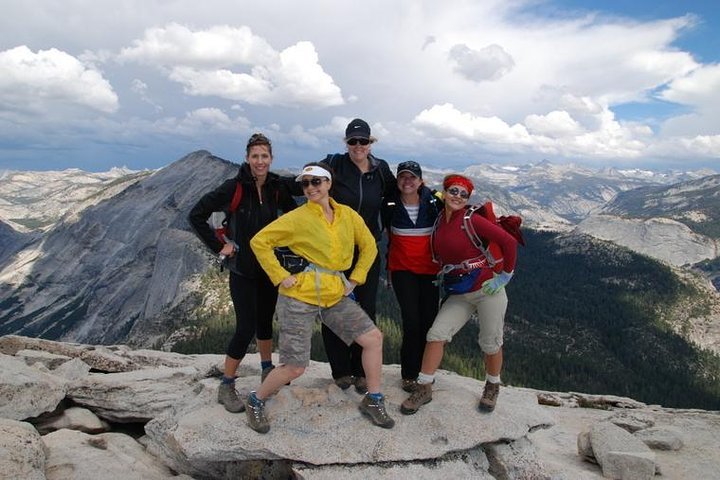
x=140, y=83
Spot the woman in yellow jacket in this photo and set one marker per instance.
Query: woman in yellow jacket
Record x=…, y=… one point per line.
x=325, y=234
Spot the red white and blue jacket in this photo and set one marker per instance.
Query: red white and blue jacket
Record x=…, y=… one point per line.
x=409, y=243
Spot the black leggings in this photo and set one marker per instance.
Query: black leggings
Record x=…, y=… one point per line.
x=418, y=299
x=254, y=303
x=346, y=360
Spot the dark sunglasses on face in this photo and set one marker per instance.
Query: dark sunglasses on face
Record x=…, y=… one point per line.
x=456, y=192
x=315, y=182
x=355, y=141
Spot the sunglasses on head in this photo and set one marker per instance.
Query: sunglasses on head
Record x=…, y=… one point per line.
x=410, y=165
x=456, y=192
x=315, y=182
x=355, y=141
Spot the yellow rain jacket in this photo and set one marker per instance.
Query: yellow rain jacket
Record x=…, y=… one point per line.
x=328, y=245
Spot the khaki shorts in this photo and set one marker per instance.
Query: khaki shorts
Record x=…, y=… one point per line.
x=458, y=309
x=296, y=319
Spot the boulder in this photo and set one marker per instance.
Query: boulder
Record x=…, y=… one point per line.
x=314, y=422
x=22, y=452
x=136, y=396
x=50, y=360
x=26, y=392
x=659, y=438
x=73, y=418
x=621, y=455
x=107, y=456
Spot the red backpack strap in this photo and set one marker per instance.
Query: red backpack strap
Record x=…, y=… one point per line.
x=237, y=197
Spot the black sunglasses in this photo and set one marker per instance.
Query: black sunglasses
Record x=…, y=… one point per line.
x=315, y=182
x=409, y=166
x=456, y=192
x=355, y=141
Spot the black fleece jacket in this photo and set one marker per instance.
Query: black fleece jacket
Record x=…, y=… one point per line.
x=250, y=217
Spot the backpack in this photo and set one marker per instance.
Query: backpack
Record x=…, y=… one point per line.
x=509, y=223
x=219, y=220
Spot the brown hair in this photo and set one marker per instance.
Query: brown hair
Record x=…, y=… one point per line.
x=258, y=139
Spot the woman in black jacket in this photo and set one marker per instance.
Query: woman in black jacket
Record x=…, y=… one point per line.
x=261, y=195
x=360, y=181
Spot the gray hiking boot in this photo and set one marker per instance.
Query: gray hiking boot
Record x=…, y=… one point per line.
x=344, y=382
x=255, y=410
x=361, y=385
x=421, y=396
x=228, y=398
x=489, y=397
x=375, y=409
x=265, y=372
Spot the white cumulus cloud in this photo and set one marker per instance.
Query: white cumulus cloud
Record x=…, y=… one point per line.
x=40, y=81
x=235, y=64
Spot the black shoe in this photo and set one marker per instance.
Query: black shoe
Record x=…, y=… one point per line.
x=361, y=385
x=344, y=382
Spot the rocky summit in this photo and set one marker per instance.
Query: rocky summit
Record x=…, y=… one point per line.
x=107, y=412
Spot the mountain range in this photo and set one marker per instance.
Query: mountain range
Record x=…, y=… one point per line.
x=114, y=260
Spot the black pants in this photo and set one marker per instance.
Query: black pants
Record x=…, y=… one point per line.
x=346, y=360
x=418, y=299
x=254, y=303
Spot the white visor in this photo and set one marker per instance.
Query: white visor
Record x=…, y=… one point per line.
x=314, y=171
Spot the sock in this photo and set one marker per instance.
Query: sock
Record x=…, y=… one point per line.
x=265, y=364
x=376, y=396
x=424, y=379
x=254, y=400
x=227, y=380
x=492, y=378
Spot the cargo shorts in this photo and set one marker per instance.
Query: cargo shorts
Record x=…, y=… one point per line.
x=296, y=320
x=458, y=309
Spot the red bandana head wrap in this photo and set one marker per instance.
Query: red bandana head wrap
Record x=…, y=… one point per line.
x=455, y=179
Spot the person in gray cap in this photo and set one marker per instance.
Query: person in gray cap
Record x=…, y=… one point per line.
x=360, y=181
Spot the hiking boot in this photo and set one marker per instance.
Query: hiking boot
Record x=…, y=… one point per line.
x=265, y=372
x=409, y=385
x=375, y=409
x=489, y=397
x=361, y=385
x=421, y=396
x=344, y=382
x=255, y=410
x=228, y=398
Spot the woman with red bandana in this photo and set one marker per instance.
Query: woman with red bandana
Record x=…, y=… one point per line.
x=474, y=284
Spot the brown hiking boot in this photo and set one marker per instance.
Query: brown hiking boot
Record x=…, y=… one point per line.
x=409, y=385
x=344, y=382
x=255, y=410
x=421, y=396
x=489, y=397
x=361, y=385
x=375, y=409
x=228, y=398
